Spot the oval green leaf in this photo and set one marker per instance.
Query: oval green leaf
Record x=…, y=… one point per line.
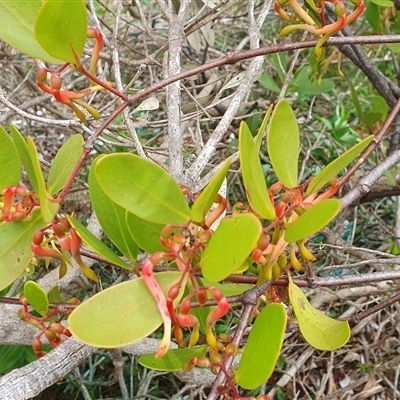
x=283, y=143
x=17, y=19
x=9, y=161
x=146, y=234
x=124, y=229
x=64, y=163
x=97, y=245
x=121, y=314
x=253, y=176
x=142, y=187
x=229, y=246
x=319, y=330
x=61, y=28
x=15, y=249
x=37, y=297
x=337, y=165
x=264, y=343
x=114, y=219
x=313, y=220
x=173, y=360
x=205, y=200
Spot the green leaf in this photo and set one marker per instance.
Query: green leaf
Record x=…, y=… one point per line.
x=337, y=165
x=253, y=176
x=48, y=206
x=379, y=105
x=12, y=357
x=113, y=218
x=9, y=161
x=97, y=245
x=37, y=297
x=372, y=15
x=261, y=130
x=269, y=83
x=141, y=187
x=305, y=87
x=24, y=155
x=319, y=330
x=313, y=220
x=264, y=343
x=227, y=289
x=356, y=101
x=64, y=163
x=17, y=20
x=61, y=28
x=15, y=250
x=229, y=246
x=173, y=360
x=383, y=3
x=204, y=202
x=146, y=234
x=121, y=314
x=283, y=142
x=54, y=295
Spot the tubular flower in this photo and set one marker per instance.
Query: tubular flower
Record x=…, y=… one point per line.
x=67, y=97
x=308, y=24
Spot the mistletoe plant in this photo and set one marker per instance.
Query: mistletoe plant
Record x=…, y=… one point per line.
x=142, y=209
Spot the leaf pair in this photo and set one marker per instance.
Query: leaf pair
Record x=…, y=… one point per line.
x=50, y=30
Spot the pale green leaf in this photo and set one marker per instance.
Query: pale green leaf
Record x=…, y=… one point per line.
x=113, y=218
x=61, y=28
x=229, y=246
x=337, y=165
x=36, y=297
x=319, y=330
x=312, y=220
x=173, y=360
x=141, y=187
x=205, y=200
x=253, y=176
x=17, y=19
x=15, y=249
x=9, y=161
x=264, y=343
x=64, y=163
x=283, y=143
x=121, y=314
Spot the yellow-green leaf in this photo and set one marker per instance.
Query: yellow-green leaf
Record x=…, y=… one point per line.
x=253, y=176
x=283, y=143
x=17, y=19
x=141, y=187
x=313, y=220
x=173, y=360
x=229, y=246
x=121, y=314
x=319, y=330
x=37, y=297
x=264, y=343
x=64, y=163
x=15, y=249
x=205, y=200
x=61, y=28
x=337, y=165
